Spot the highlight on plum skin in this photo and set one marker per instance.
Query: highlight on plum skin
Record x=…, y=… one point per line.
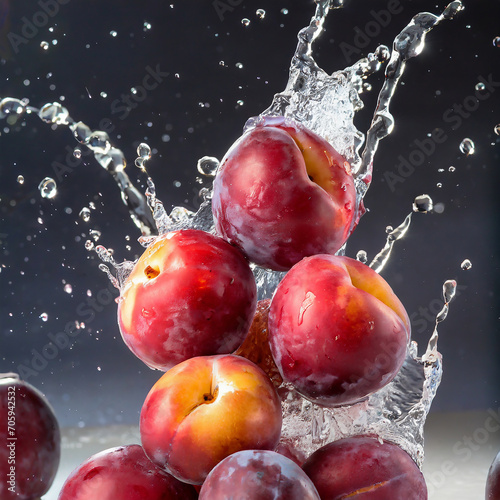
x=31, y=440
x=258, y=474
x=283, y=193
x=205, y=409
x=337, y=330
x=123, y=473
x=493, y=480
x=189, y=294
x=364, y=467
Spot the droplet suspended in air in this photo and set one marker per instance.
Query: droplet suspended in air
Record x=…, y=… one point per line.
x=77, y=153
x=480, y=86
x=85, y=214
x=48, y=188
x=466, y=265
x=467, y=147
x=20, y=179
x=113, y=33
x=423, y=204
x=284, y=11
x=44, y=45
x=496, y=41
x=240, y=102
x=44, y=317
x=239, y=65
x=146, y=26
x=497, y=129
x=68, y=288
x=362, y=256
x=245, y=21
x=144, y=151
x=439, y=185
x=261, y=13
x=208, y=166
x=451, y=169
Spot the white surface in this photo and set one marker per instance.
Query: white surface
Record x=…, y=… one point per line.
x=459, y=450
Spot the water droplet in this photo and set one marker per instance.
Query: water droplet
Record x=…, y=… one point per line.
x=77, y=153
x=284, y=11
x=467, y=147
x=103, y=95
x=146, y=26
x=240, y=102
x=439, y=185
x=20, y=179
x=85, y=214
x=95, y=234
x=44, y=45
x=245, y=21
x=389, y=229
x=11, y=106
x=44, y=316
x=497, y=129
x=99, y=142
x=451, y=169
x=53, y=112
x=208, y=166
x=89, y=245
x=113, y=33
x=48, y=188
x=68, y=288
x=496, y=41
x=261, y=13
x=423, y=204
x=144, y=151
x=480, y=86
x=466, y=265
x=362, y=256
x=239, y=65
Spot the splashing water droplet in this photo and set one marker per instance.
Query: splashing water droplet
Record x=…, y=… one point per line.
x=389, y=229
x=89, y=245
x=44, y=45
x=240, y=102
x=11, y=106
x=144, y=151
x=497, y=129
x=284, y=11
x=467, y=147
x=44, y=317
x=466, y=265
x=423, y=204
x=261, y=13
x=451, y=169
x=68, y=288
x=113, y=33
x=439, y=185
x=496, y=41
x=362, y=256
x=85, y=214
x=245, y=21
x=20, y=179
x=77, y=153
x=239, y=65
x=53, y=112
x=48, y=188
x=146, y=26
x=208, y=165
x=95, y=234
x=480, y=86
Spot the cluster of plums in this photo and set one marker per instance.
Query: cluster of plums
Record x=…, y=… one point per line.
x=283, y=199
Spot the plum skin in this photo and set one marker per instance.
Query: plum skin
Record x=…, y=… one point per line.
x=207, y=408
x=493, y=480
x=337, y=330
x=38, y=445
x=189, y=294
x=365, y=468
x=283, y=193
x=257, y=474
x=123, y=473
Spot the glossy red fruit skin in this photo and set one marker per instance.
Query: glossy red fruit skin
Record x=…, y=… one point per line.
x=29, y=428
x=205, y=409
x=123, y=473
x=265, y=202
x=493, y=480
x=198, y=299
x=334, y=341
x=262, y=475
x=361, y=467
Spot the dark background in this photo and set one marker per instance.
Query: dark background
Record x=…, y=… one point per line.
x=96, y=380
